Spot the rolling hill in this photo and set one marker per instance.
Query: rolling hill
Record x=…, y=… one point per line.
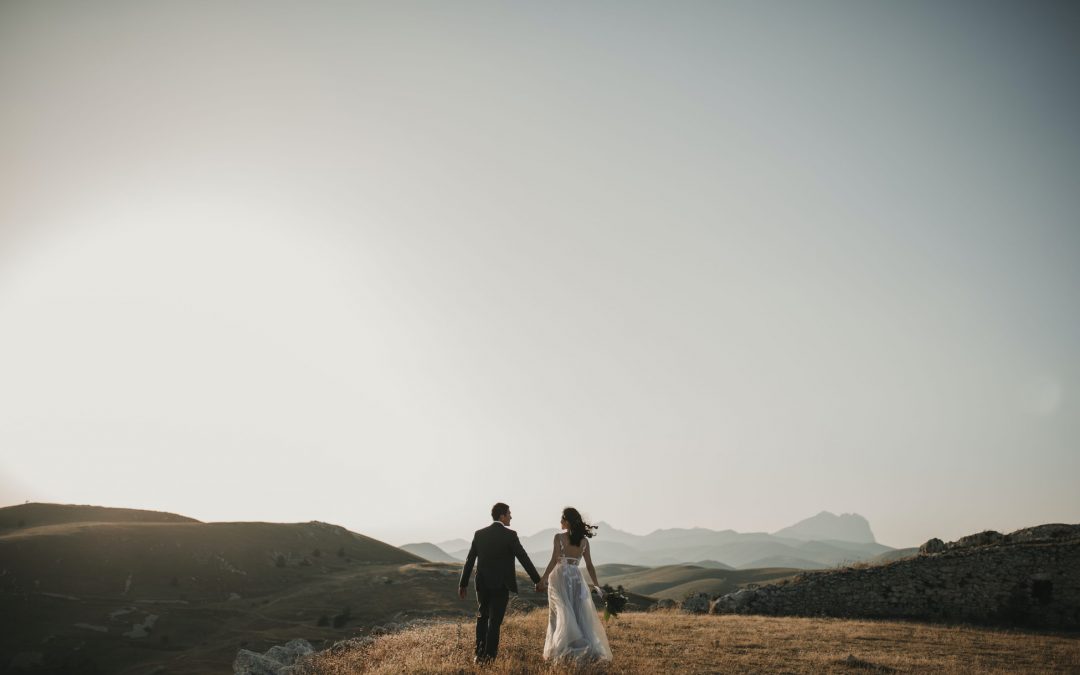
x=150, y=591
x=675, y=582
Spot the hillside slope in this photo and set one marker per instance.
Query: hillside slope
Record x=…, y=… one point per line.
x=126, y=597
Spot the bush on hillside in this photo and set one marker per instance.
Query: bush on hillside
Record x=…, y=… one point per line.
x=343, y=618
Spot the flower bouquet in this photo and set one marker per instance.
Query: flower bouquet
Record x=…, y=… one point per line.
x=614, y=600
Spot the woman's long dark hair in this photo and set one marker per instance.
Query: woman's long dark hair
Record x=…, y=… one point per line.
x=579, y=529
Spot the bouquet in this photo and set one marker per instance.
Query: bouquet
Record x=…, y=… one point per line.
x=614, y=600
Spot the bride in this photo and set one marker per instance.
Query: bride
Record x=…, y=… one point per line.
x=574, y=629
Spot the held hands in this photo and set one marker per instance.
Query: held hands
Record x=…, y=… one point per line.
x=541, y=586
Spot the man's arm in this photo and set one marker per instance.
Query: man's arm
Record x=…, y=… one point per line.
x=523, y=557
x=466, y=573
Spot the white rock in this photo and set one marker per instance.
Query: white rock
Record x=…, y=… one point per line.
x=278, y=660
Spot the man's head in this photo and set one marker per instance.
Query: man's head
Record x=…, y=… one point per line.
x=501, y=513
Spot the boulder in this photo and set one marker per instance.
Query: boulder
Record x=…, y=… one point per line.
x=278, y=660
x=733, y=602
x=932, y=546
x=696, y=603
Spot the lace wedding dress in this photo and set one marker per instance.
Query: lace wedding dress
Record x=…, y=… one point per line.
x=574, y=627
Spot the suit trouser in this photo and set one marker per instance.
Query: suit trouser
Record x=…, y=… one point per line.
x=491, y=606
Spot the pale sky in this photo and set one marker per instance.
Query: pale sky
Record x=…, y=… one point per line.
x=677, y=264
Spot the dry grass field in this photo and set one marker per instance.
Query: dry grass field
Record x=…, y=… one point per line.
x=670, y=642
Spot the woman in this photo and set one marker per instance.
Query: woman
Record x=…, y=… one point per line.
x=574, y=629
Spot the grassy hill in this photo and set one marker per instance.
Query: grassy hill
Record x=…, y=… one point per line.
x=36, y=515
x=663, y=642
x=162, y=590
x=674, y=582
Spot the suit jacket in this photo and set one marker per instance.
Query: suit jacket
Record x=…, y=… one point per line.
x=496, y=546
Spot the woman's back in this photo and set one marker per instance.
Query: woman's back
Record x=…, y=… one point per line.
x=568, y=550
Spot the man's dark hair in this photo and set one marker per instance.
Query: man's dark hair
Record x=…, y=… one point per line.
x=499, y=510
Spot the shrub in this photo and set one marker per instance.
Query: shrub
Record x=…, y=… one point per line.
x=341, y=619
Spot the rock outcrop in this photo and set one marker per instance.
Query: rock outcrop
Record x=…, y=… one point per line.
x=278, y=660
x=1028, y=577
x=695, y=603
x=934, y=545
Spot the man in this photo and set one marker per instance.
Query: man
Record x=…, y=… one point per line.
x=496, y=546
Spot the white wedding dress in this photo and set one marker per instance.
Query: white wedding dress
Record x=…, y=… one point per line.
x=574, y=627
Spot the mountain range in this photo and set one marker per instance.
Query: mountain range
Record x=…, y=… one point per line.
x=821, y=541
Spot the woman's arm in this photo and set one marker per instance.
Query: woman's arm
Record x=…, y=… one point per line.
x=554, y=559
x=589, y=565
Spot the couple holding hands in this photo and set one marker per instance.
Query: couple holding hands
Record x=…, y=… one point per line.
x=574, y=629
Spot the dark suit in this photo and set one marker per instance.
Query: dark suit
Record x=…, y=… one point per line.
x=495, y=546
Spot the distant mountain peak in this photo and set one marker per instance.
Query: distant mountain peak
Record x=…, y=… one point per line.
x=827, y=526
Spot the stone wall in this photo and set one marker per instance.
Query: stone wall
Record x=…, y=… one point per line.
x=1030, y=577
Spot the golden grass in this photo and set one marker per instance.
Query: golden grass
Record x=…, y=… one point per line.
x=670, y=642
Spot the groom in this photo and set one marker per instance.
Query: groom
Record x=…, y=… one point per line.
x=496, y=546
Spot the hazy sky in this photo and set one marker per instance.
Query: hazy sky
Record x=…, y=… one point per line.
x=718, y=264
